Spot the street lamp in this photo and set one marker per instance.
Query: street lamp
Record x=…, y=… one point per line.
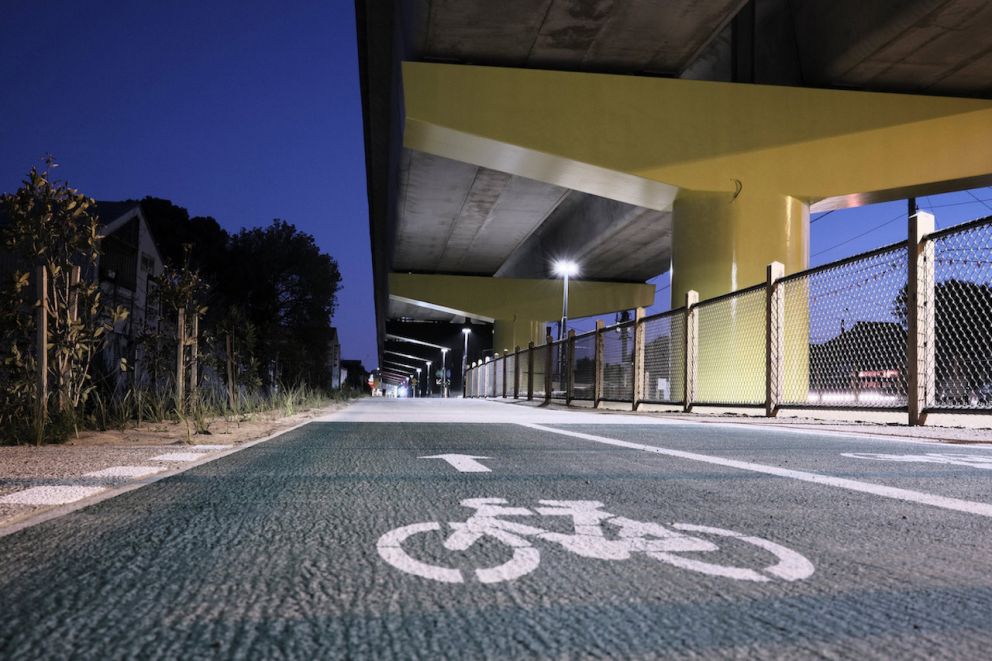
x=466, y=332
x=430, y=386
x=565, y=269
x=444, y=380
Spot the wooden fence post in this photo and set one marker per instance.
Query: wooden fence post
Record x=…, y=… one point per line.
x=530, y=371
x=691, y=346
x=548, y=358
x=774, y=338
x=920, y=314
x=637, y=392
x=597, y=388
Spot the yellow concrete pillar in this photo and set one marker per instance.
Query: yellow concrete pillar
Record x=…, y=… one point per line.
x=723, y=243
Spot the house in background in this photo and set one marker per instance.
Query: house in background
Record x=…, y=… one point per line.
x=129, y=260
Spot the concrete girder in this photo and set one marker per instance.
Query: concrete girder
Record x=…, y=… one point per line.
x=743, y=159
x=518, y=307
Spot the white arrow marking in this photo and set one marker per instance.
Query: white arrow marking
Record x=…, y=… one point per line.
x=465, y=463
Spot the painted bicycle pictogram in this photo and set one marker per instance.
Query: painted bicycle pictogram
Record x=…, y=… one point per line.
x=589, y=539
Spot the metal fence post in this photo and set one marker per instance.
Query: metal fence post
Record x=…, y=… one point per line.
x=493, y=380
x=774, y=338
x=503, y=394
x=569, y=367
x=516, y=372
x=548, y=358
x=691, y=346
x=920, y=306
x=597, y=388
x=530, y=371
x=637, y=392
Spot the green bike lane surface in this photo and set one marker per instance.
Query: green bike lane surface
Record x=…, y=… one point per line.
x=271, y=552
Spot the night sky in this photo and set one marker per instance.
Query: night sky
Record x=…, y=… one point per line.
x=247, y=111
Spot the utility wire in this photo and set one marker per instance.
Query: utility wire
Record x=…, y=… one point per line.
x=854, y=238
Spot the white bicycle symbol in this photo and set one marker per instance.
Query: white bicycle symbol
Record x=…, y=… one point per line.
x=588, y=541
x=975, y=461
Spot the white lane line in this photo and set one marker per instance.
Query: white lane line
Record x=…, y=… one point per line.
x=179, y=456
x=125, y=471
x=956, y=504
x=49, y=495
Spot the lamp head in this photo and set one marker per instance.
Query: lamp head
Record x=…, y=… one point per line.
x=565, y=267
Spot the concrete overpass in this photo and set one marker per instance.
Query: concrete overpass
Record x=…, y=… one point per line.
x=641, y=136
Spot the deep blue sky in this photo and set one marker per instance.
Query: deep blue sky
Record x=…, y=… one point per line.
x=242, y=110
x=246, y=111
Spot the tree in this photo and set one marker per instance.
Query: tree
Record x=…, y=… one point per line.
x=288, y=289
x=963, y=339
x=52, y=232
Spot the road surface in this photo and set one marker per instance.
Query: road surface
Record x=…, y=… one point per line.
x=581, y=535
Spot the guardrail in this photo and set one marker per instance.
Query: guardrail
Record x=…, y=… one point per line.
x=906, y=327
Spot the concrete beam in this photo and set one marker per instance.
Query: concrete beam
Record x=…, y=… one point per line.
x=509, y=298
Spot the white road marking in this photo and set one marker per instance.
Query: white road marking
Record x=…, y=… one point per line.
x=466, y=463
x=179, y=456
x=588, y=541
x=49, y=495
x=956, y=459
x=956, y=504
x=125, y=471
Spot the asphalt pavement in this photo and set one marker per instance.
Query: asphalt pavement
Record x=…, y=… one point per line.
x=433, y=529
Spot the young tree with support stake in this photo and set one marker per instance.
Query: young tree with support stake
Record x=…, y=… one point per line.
x=53, y=234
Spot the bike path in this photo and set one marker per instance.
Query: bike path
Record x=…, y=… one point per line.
x=953, y=471
x=272, y=553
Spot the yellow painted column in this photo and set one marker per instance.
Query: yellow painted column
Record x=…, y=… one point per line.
x=510, y=333
x=722, y=243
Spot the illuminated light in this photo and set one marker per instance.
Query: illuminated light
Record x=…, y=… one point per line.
x=566, y=268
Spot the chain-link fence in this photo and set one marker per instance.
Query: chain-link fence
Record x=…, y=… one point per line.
x=840, y=339
x=618, y=363
x=584, y=367
x=730, y=368
x=960, y=374
x=845, y=333
x=664, y=358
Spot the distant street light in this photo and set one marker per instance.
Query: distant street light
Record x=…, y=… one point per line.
x=565, y=269
x=466, y=332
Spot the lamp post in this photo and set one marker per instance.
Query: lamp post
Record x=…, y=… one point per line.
x=565, y=269
x=419, y=387
x=466, y=332
x=430, y=386
x=444, y=379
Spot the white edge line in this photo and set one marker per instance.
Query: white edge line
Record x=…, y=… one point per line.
x=956, y=504
x=763, y=427
x=62, y=510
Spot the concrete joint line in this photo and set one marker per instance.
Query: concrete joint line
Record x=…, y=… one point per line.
x=943, y=502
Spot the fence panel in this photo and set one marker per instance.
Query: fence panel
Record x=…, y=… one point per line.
x=961, y=374
x=584, y=367
x=731, y=361
x=498, y=377
x=540, y=354
x=845, y=333
x=618, y=362
x=559, y=365
x=664, y=358
x=511, y=361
